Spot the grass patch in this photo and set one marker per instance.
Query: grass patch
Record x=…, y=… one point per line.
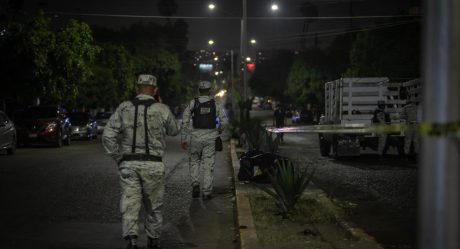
x=297, y=231
x=311, y=224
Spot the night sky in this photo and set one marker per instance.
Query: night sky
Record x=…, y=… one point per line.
x=278, y=34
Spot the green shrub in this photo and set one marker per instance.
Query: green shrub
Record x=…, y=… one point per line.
x=288, y=182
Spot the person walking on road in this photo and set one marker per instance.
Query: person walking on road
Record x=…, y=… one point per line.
x=279, y=117
x=142, y=125
x=199, y=138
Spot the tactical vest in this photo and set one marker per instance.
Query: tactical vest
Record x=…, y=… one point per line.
x=204, y=114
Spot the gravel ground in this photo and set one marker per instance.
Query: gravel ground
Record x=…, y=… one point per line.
x=379, y=195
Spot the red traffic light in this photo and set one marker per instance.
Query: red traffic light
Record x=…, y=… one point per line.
x=251, y=67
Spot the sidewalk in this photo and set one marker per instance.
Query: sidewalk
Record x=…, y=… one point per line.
x=210, y=224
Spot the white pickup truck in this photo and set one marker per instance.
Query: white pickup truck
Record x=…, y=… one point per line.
x=351, y=102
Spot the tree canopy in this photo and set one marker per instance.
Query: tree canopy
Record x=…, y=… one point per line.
x=401, y=56
x=80, y=66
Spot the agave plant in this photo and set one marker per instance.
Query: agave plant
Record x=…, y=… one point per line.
x=254, y=131
x=288, y=183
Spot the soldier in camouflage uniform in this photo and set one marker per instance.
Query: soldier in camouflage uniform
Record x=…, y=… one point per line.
x=199, y=138
x=409, y=114
x=382, y=117
x=142, y=125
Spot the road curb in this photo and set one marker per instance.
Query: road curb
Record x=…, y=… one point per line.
x=246, y=228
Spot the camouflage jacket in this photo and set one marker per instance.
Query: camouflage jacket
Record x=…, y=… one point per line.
x=118, y=133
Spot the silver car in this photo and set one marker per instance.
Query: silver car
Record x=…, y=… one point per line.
x=7, y=134
x=83, y=126
x=102, y=118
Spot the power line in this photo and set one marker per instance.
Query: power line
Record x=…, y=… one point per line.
x=229, y=17
x=374, y=26
x=334, y=33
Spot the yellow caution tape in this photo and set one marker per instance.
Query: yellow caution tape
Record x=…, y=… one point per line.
x=440, y=130
x=425, y=129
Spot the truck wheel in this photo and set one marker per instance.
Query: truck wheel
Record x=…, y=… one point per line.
x=335, y=146
x=324, y=146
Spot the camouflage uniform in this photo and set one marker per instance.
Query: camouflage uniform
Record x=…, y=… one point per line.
x=201, y=146
x=140, y=180
x=409, y=114
x=382, y=117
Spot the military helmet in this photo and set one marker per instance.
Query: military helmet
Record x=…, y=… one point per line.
x=204, y=85
x=147, y=79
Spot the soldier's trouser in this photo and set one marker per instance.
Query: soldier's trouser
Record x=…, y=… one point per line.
x=383, y=144
x=411, y=138
x=142, y=182
x=202, y=153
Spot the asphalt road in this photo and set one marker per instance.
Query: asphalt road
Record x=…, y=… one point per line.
x=69, y=198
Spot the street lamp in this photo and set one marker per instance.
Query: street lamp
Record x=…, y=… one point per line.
x=216, y=58
x=211, y=6
x=248, y=59
x=211, y=42
x=243, y=41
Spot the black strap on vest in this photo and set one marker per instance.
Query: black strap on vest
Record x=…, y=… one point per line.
x=141, y=157
x=146, y=103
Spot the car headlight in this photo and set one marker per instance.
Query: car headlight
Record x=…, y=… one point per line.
x=50, y=126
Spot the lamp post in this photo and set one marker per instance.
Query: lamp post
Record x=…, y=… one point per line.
x=243, y=49
x=274, y=8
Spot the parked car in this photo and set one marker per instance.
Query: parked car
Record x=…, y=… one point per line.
x=83, y=126
x=43, y=125
x=102, y=118
x=7, y=134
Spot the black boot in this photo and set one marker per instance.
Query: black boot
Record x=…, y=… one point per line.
x=153, y=243
x=196, y=191
x=131, y=242
x=207, y=197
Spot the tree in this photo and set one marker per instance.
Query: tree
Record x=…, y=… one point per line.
x=72, y=59
x=401, y=58
x=112, y=80
x=305, y=84
x=26, y=50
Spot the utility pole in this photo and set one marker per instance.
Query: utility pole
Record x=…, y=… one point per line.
x=232, y=72
x=243, y=50
x=439, y=189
